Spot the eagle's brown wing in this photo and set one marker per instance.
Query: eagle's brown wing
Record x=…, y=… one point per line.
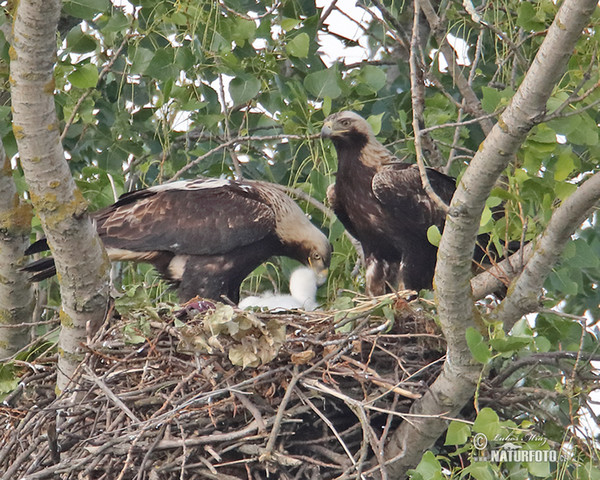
x=398, y=187
x=186, y=220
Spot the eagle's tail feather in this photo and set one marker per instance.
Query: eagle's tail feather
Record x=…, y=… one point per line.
x=37, y=247
x=41, y=269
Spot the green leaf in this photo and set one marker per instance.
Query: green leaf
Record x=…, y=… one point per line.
x=479, y=471
x=510, y=344
x=288, y=24
x=434, y=235
x=486, y=216
x=539, y=469
x=542, y=344
x=298, y=46
x=244, y=88
x=326, y=107
x=140, y=59
x=458, y=433
x=488, y=423
x=117, y=22
x=586, y=134
x=373, y=76
x=564, y=166
x=564, y=190
x=323, y=83
x=528, y=19
x=162, y=65
x=479, y=348
x=429, y=467
x=243, y=30
x=8, y=378
x=86, y=9
x=375, y=122
x=85, y=76
x=79, y=42
x=494, y=98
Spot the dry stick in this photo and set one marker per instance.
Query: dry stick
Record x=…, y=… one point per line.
x=327, y=422
x=418, y=101
x=148, y=424
x=252, y=409
x=109, y=393
x=280, y=412
x=159, y=437
x=184, y=453
x=359, y=411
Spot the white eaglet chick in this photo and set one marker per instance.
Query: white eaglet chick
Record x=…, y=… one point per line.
x=303, y=293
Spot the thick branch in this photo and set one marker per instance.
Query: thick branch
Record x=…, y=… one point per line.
x=500, y=275
x=81, y=262
x=16, y=293
x=523, y=296
x=456, y=384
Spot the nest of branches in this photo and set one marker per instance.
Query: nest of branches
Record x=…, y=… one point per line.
x=213, y=392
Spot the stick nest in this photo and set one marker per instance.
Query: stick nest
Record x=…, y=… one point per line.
x=211, y=392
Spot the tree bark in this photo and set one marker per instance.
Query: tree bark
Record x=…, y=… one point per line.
x=81, y=263
x=456, y=384
x=16, y=293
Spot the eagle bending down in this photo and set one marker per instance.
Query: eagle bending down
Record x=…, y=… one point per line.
x=204, y=235
x=382, y=203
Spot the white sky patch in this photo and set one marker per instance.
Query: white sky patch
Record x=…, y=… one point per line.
x=332, y=48
x=127, y=7
x=462, y=53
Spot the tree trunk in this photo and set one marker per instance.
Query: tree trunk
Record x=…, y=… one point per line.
x=16, y=293
x=457, y=382
x=81, y=263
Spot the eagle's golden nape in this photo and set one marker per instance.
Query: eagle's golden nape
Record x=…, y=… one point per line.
x=382, y=203
x=204, y=235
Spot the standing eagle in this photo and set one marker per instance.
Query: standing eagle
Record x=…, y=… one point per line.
x=382, y=203
x=204, y=235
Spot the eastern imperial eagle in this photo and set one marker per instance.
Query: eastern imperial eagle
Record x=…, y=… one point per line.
x=382, y=203
x=204, y=235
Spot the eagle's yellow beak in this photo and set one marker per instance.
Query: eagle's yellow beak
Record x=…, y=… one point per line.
x=327, y=130
x=320, y=271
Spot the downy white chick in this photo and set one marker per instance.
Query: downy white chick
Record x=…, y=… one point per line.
x=303, y=292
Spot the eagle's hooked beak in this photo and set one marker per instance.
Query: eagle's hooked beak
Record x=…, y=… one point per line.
x=320, y=271
x=327, y=130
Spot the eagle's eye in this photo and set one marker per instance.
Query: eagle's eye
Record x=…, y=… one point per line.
x=317, y=256
x=345, y=122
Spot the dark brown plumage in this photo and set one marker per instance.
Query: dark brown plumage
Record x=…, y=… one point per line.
x=205, y=235
x=382, y=203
